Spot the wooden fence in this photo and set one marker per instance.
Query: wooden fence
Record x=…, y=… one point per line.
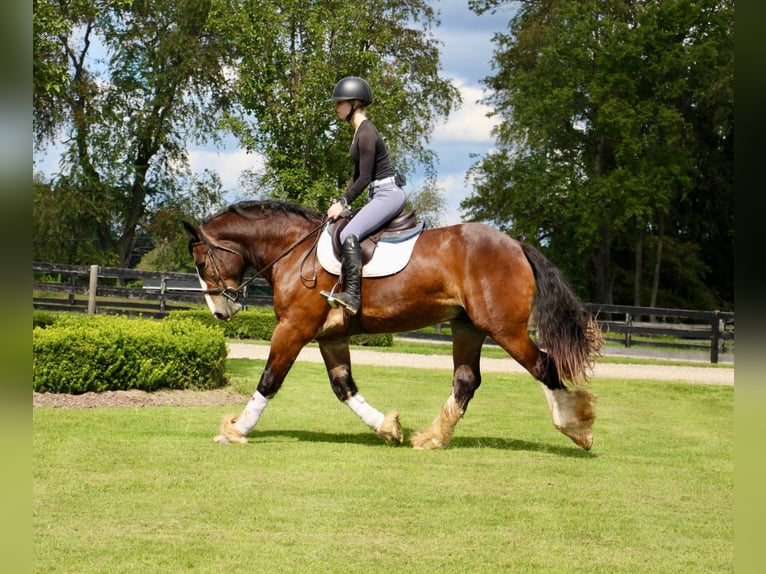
x=94, y=289
x=112, y=290
x=715, y=329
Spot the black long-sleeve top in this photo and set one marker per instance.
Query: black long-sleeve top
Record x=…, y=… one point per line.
x=371, y=160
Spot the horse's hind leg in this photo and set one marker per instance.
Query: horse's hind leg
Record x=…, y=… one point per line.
x=466, y=354
x=571, y=409
x=337, y=359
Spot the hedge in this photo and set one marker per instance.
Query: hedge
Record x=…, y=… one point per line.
x=44, y=318
x=259, y=323
x=81, y=353
x=74, y=353
x=255, y=323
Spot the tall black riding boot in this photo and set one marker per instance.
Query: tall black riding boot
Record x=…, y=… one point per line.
x=351, y=266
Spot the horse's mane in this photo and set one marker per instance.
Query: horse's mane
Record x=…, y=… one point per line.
x=267, y=207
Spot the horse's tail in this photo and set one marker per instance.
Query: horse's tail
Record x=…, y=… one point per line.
x=567, y=331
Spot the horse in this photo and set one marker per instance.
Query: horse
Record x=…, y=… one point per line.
x=480, y=280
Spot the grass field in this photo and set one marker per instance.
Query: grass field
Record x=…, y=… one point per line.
x=146, y=490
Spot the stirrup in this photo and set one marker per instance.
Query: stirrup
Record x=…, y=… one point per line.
x=346, y=306
x=331, y=300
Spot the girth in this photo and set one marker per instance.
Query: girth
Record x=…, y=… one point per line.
x=398, y=227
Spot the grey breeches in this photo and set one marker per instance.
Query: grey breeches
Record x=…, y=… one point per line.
x=386, y=201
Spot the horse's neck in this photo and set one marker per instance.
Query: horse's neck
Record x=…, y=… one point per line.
x=267, y=240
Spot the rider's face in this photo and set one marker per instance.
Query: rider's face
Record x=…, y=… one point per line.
x=342, y=108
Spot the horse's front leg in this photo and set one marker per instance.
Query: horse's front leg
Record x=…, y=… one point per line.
x=337, y=359
x=286, y=343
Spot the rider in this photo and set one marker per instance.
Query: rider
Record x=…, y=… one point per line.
x=372, y=167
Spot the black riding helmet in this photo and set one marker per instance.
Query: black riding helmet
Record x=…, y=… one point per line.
x=352, y=88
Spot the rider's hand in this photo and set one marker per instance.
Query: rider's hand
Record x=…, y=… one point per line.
x=335, y=210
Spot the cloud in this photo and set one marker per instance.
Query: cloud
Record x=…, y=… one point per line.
x=470, y=122
x=455, y=190
x=229, y=164
x=458, y=143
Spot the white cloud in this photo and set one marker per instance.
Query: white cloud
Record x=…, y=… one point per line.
x=467, y=132
x=455, y=191
x=469, y=123
x=228, y=164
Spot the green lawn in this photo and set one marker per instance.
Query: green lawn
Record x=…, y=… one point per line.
x=146, y=490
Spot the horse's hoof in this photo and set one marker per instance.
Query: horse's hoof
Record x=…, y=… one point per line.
x=390, y=429
x=581, y=437
x=422, y=441
x=230, y=433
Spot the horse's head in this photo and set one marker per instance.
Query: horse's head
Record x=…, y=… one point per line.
x=220, y=269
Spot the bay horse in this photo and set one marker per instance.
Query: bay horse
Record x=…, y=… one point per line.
x=483, y=282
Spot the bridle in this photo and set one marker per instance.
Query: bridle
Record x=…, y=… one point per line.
x=234, y=293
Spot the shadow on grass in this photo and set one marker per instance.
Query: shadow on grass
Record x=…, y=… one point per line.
x=520, y=445
x=370, y=439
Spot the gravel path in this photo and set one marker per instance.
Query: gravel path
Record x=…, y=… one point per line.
x=225, y=397
x=701, y=374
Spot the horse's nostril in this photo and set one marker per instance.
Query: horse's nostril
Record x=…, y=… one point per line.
x=219, y=316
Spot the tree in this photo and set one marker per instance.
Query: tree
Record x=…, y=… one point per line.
x=129, y=83
x=291, y=56
x=143, y=78
x=167, y=246
x=603, y=151
x=50, y=73
x=60, y=226
x=428, y=201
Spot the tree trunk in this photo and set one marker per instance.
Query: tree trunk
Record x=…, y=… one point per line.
x=637, y=268
x=657, y=262
x=603, y=280
x=603, y=261
x=127, y=240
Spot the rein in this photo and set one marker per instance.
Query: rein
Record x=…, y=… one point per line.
x=232, y=293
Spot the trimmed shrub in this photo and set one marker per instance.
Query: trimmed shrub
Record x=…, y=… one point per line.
x=254, y=323
x=377, y=340
x=259, y=324
x=43, y=318
x=81, y=353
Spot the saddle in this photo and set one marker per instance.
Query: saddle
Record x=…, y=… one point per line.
x=400, y=227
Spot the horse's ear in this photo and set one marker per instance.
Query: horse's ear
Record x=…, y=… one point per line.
x=192, y=231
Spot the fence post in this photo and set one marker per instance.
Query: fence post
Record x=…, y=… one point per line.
x=72, y=284
x=715, y=339
x=628, y=331
x=163, y=287
x=92, y=286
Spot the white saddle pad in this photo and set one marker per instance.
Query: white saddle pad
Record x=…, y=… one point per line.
x=390, y=256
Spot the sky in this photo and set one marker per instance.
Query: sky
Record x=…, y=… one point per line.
x=466, y=54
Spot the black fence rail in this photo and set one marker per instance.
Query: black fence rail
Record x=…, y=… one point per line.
x=111, y=290
x=712, y=330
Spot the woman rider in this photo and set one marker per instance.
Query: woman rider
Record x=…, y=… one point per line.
x=372, y=168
